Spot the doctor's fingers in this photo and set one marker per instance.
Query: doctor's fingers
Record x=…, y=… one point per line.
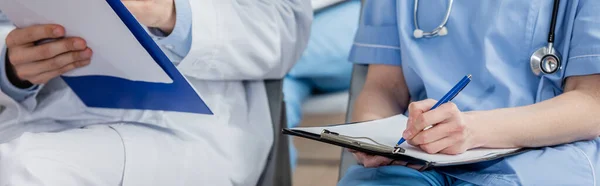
x=41, y=71
x=444, y=113
x=47, y=76
x=28, y=54
x=28, y=35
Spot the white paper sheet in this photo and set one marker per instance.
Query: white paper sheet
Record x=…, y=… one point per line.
x=388, y=131
x=116, y=51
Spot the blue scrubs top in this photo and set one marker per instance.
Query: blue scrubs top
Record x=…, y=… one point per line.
x=493, y=40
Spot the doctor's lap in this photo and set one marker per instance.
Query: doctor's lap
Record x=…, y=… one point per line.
x=535, y=69
x=49, y=137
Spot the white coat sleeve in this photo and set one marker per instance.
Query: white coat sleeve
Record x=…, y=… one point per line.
x=246, y=39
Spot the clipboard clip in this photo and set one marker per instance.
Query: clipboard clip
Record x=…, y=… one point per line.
x=398, y=150
x=353, y=141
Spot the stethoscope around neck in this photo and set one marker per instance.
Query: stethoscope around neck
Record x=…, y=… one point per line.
x=545, y=60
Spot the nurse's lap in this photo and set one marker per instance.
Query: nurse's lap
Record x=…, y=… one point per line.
x=569, y=164
x=396, y=175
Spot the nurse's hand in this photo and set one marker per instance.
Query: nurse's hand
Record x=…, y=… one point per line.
x=28, y=63
x=453, y=133
x=154, y=13
x=372, y=161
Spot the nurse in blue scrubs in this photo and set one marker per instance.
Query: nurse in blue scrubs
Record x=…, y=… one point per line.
x=535, y=69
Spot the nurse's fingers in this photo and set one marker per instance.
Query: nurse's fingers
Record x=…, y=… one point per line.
x=371, y=161
x=359, y=156
x=419, y=107
x=444, y=113
x=376, y=161
x=437, y=146
x=406, y=164
x=436, y=133
x=415, y=109
x=415, y=166
x=455, y=149
x=399, y=162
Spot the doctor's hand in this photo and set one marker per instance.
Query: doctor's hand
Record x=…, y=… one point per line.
x=453, y=131
x=154, y=13
x=28, y=63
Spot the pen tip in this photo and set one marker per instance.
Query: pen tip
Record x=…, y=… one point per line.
x=400, y=142
x=469, y=76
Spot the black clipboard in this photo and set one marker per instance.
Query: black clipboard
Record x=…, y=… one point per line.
x=336, y=139
x=398, y=156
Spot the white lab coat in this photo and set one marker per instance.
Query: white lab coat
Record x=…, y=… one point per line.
x=236, y=44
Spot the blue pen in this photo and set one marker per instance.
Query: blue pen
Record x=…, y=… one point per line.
x=448, y=97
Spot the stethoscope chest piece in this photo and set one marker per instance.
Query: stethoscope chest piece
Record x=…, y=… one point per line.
x=545, y=61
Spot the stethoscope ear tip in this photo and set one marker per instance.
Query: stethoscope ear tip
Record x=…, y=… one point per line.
x=443, y=31
x=418, y=33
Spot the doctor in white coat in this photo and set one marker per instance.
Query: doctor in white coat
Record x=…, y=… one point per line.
x=224, y=47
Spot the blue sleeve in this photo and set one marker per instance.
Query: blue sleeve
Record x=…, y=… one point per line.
x=584, y=54
x=179, y=42
x=8, y=88
x=377, y=39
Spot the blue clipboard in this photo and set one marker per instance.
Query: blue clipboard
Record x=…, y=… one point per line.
x=113, y=92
